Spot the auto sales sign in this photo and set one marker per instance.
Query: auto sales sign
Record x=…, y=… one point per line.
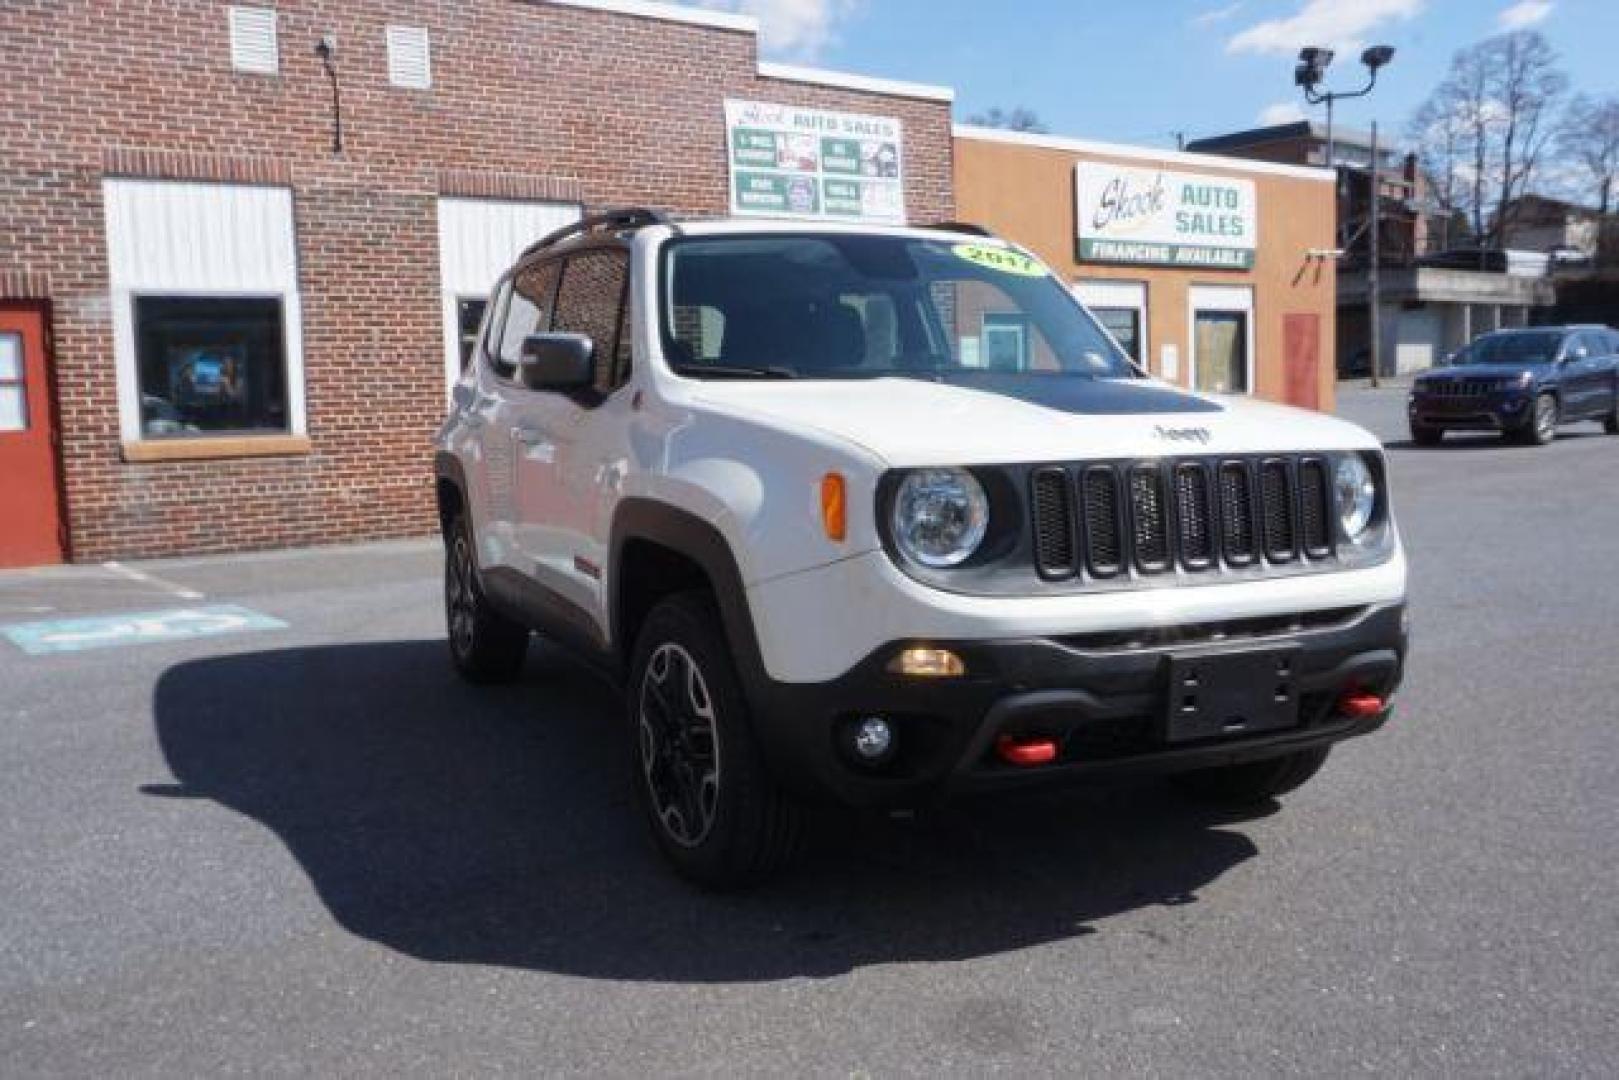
x=1159, y=218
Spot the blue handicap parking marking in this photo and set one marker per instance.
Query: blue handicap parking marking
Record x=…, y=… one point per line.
x=135, y=628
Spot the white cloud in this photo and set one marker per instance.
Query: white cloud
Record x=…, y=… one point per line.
x=1524, y=14
x=798, y=28
x=1283, y=112
x=1216, y=15
x=1334, y=23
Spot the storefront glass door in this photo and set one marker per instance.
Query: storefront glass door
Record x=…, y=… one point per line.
x=1222, y=339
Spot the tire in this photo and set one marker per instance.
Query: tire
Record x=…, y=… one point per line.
x=485, y=646
x=1254, y=781
x=1610, y=423
x=1541, y=427
x=1423, y=435
x=715, y=812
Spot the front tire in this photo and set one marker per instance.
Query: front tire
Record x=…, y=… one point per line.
x=1253, y=781
x=485, y=646
x=1541, y=427
x=715, y=812
x=1610, y=423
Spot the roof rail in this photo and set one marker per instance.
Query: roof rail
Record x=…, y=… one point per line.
x=962, y=227
x=618, y=218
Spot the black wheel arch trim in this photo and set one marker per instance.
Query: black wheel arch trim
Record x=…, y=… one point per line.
x=686, y=534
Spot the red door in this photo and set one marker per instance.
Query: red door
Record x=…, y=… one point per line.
x=30, y=508
x=1301, y=358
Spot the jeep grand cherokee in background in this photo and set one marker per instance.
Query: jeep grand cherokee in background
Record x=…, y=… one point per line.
x=1521, y=383
x=769, y=477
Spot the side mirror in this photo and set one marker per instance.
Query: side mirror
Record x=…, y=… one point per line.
x=557, y=362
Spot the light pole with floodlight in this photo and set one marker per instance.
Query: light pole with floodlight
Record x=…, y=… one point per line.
x=1312, y=69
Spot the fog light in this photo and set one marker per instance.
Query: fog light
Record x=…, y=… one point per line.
x=873, y=739
x=928, y=664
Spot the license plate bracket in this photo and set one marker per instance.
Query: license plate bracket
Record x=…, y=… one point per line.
x=1231, y=693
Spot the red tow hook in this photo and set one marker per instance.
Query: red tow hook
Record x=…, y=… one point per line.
x=1026, y=750
x=1359, y=705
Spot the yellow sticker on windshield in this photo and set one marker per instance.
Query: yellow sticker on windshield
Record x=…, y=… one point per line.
x=1002, y=259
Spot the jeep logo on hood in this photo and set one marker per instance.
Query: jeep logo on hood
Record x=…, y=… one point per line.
x=1199, y=435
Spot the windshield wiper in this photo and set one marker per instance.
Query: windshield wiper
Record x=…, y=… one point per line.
x=733, y=371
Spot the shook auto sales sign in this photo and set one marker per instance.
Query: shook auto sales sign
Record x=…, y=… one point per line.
x=1159, y=218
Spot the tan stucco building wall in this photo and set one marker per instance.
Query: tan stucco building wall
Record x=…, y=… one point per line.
x=1023, y=188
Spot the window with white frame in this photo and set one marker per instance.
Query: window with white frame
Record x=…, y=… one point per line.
x=254, y=47
x=1121, y=308
x=410, y=57
x=207, y=321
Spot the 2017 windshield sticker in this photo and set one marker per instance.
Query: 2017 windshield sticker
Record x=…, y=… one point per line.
x=994, y=258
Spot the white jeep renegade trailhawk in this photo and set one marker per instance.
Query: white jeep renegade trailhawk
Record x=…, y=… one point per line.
x=881, y=514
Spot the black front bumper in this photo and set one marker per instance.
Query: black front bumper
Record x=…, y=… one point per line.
x=1102, y=701
x=1494, y=412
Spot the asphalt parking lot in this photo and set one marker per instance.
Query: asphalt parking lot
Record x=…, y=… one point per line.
x=294, y=843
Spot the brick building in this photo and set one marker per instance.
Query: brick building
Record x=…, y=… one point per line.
x=235, y=274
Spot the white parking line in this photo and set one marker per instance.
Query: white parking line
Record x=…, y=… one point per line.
x=151, y=579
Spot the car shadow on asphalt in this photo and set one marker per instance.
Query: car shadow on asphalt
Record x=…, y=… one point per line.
x=497, y=826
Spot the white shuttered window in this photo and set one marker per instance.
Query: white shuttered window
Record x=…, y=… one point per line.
x=410, y=57
x=253, y=44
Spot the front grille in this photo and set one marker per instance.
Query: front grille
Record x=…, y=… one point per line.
x=1149, y=515
x=1314, y=513
x=1104, y=540
x=1053, y=521
x=1465, y=388
x=1275, y=495
x=1193, y=515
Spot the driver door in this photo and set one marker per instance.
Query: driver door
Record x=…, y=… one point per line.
x=570, y=447
x=1583, y=393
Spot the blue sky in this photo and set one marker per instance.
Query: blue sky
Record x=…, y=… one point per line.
x=1139, y=70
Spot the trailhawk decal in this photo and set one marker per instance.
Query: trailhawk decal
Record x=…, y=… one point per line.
x=994, y=258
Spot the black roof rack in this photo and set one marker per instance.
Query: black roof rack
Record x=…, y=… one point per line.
x=616, y=219
x=962, y=227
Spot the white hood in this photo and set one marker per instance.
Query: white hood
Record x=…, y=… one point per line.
x=912, y=423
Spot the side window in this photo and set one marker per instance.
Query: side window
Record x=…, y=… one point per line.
x=624, y=360
x=534, y=292
x=589, y=303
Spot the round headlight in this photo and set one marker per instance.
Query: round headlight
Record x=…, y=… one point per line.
x=940, y=516
x=1357, y=495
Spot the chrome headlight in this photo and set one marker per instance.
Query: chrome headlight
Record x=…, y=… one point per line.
x=940, y=516
x=1356, y=491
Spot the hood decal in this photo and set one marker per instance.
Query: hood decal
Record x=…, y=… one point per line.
x=1078, y=395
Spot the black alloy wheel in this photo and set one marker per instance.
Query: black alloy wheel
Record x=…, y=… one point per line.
x=485, y=646
x=679, y=745
x=714, y=809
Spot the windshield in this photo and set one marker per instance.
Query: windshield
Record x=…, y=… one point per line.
x=1529, y=347
x=849, y=306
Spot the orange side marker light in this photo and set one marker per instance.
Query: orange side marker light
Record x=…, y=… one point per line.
x=834, y=507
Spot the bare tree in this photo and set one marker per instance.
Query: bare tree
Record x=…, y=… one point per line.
x=1440, y=136
x=1014, y=119
x=1590, y=139
x=1483, y=131
x=1528, y=87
